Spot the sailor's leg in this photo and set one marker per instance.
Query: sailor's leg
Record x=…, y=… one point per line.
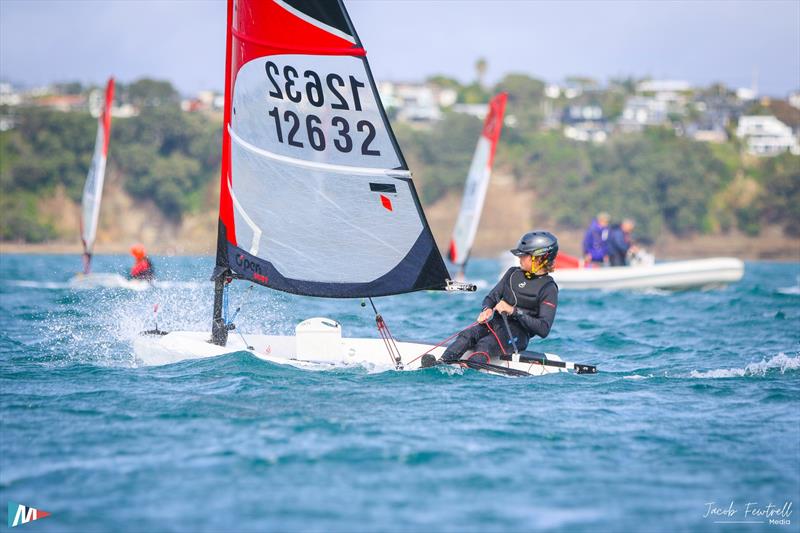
x=492, y=345
x=465, y=340
x=488, y=345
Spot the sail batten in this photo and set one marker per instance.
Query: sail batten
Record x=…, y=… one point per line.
x=316, y=196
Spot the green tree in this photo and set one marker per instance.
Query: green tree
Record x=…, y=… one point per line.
x=781, y=199
x=525, y=96
x=147, y=92
x=481, y=66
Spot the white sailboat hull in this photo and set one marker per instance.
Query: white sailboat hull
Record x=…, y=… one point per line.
x=675, y=275
x=326, y=351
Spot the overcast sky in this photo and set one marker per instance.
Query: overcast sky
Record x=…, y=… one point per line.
x=42, y=41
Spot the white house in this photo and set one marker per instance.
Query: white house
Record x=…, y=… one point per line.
x=794, y=99
x=640, y=112
x=416, y=102
x=673, y=92
x=766, y=135
x=8, y=96
x=586, y=132
x=478, y=111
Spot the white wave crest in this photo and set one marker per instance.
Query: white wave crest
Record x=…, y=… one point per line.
x=780, y=362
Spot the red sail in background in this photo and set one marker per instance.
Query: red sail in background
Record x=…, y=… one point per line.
x=477, y=183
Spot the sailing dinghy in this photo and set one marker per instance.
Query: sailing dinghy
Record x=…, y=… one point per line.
x=316, y=198
x=90, y=207
x=480, y=171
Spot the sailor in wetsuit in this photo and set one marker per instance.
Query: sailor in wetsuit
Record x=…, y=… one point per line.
x=526, y=294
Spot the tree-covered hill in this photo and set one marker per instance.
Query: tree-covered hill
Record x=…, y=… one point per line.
x=667, y=182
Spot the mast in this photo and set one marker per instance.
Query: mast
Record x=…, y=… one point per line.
x=219, y=330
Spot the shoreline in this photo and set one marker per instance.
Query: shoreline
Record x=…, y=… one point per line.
x=764, y=248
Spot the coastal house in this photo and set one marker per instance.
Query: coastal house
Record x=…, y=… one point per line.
x=416, y=102
x=640, y=112
x=767, y=136
x=709, y=116
x=62, y=102
x=8, y=96
x=586, y=132
x=476, y=110
x=584, y=123
x=672, y=92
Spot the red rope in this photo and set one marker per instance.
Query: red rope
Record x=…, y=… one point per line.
x=473, y=354
x=496, y=337
x=444, y=341
x=447, y=339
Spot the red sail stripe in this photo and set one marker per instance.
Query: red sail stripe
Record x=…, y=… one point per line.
x=278, y=48
x=105, y=118
x=494, y=122
x=225, y=201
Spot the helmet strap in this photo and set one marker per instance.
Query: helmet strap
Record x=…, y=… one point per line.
x=538, y=264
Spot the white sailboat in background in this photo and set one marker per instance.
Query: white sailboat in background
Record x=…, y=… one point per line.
x=480, y=172
x=316, y=198
x=90, y=207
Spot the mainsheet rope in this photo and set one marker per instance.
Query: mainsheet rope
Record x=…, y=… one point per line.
x=458, y=333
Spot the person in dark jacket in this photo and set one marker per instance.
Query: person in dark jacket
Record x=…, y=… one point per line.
x=620, y=242
x=527, y=295
x=595, y=251
x=143, y=268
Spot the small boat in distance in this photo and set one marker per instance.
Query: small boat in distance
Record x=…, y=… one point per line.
x=90, y=208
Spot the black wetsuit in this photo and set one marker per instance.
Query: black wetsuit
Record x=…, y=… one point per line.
x=535, y=301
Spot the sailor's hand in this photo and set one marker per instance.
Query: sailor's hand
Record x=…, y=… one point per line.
x=504, y=308
x=485, y=315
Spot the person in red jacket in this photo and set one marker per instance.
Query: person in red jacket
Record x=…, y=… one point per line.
x=143, y=268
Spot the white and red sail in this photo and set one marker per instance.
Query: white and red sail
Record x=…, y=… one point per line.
x=93, y=188
x=316, y=197
x=480, y=171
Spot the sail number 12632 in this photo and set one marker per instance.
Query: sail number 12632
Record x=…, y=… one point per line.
x=292, y=130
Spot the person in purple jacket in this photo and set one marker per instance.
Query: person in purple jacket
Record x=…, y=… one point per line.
x=595, y=248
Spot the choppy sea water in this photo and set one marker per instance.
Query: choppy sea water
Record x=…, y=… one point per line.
x=697, y=401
